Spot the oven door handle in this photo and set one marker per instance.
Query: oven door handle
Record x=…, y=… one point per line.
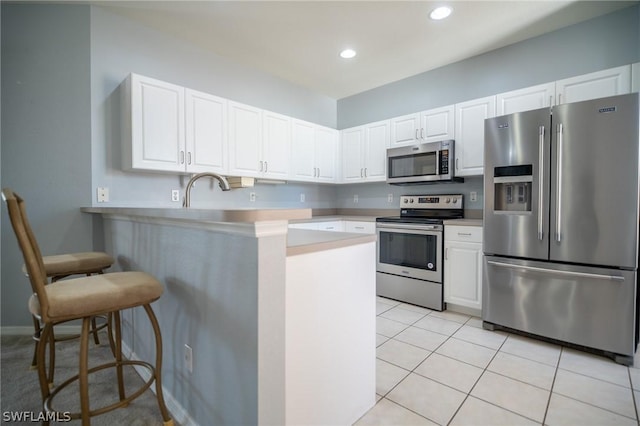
x=403, y=227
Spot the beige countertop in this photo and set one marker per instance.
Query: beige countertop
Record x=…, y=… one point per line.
x=233, y=216
x=463, y=222
x=302, y=241
x=328, y=218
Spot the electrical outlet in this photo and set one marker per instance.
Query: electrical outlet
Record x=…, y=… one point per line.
x=103, y=195
x=302, y=198
x=188, y=358
x=473, y=196
x=175, y=195
x=355, y=198
x=389, y=198
x=252, y=197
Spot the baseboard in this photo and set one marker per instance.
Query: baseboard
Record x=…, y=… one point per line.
x=464, y=310
x=179, y=414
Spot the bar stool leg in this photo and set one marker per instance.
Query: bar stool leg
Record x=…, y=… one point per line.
x=52, y=356
x=83, y=378
x=168, y=421
x=36, y=336
x=118, y=356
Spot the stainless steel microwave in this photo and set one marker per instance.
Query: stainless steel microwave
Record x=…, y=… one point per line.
x=423, y=163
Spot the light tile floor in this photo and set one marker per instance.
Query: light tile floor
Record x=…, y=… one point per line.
x=442, y=368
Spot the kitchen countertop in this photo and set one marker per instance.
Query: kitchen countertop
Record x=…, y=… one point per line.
x=463, y=222
x=329, y=218
x=302, y=241
x=206, y=215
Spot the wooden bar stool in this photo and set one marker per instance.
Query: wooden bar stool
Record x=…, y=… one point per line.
x=82, y=299
x=62, y=266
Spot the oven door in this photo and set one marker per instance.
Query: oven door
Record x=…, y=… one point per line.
x=413, y=251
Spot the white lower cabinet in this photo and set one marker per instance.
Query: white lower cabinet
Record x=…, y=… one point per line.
x=463, y=266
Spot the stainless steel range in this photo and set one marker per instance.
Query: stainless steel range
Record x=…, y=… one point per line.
x=410, y=246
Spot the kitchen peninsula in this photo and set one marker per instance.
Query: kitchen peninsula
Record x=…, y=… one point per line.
x=281, y=322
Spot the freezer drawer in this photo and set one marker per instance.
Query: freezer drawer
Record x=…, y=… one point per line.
x=593, y=307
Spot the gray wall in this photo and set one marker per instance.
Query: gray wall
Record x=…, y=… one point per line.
x=597, y=44
x=120, y=46
x=46, y=136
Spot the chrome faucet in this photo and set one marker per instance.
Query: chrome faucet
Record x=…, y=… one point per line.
x=224, y=185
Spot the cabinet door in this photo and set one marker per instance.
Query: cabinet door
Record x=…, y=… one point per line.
x=352, y=154
x=156, y=140
x=526, y=99
x=276, y=145
x=405, y=130
x=303, y=151
x=245, y=139
x=463, y=274
x=437, y=124
x=614, y=81
x=469, y=125
x=377, y=138
x=326, y=150
x=206, y=132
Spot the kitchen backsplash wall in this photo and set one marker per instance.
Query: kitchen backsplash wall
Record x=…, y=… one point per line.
x=376, y=195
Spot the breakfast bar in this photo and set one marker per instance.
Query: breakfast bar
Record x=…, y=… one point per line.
x=280, y=323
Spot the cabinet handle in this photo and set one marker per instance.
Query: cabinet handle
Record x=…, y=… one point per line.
x=359, y=227
x=365, y=172
x=456, y=164
x=559, y=98
x=446, y=253
x=315, y=173
x=422, y=133
x=318, y=171
x=416, y=133
x=551, y=100
x=261, y=165
x=181, y=157
x=466, y=234
x=361, y=175
x=266, y=166
x=189, y=158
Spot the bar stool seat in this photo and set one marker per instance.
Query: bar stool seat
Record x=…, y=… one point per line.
x=82, y=299
x=63, y=265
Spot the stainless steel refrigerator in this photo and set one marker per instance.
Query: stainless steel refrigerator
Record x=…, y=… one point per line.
x=561, y=224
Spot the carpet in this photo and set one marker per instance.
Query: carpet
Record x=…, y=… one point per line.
x=20, y=389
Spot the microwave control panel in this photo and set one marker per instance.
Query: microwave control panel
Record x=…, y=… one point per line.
x=444, y=162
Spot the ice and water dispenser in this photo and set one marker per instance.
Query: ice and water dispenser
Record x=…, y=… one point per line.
x=512, y=186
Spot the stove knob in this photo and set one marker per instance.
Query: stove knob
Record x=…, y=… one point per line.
x=411, y=200
x=448, y=200
x=406, y=201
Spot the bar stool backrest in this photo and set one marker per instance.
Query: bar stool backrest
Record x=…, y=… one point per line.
x=29, y=247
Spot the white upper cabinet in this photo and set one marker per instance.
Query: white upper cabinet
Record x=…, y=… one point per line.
x=635, y=77
x=169, y=128
x=326, y=154
x=405, y=130
x=610, y=82
x=427, y=126
x=469, y=146
x=206, y=132
x=245, y=140
x=437, y=124
x=154, y=125
x=313, y=152
x=526, y=99
x=276, y=146
x=364, y=152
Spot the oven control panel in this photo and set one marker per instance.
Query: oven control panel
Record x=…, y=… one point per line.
x=431, y=201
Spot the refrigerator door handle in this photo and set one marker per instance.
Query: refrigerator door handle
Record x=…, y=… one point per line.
x=559, y=185
x=541, y=183
x=556, y=271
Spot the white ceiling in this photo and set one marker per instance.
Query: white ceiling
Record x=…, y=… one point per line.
x=299, y=41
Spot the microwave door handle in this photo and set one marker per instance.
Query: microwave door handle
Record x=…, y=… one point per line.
x=559, y=185
x=540, y=182
x=437, y=162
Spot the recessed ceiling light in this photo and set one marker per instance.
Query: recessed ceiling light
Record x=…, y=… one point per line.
x=440, y=13
x=348, y=53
